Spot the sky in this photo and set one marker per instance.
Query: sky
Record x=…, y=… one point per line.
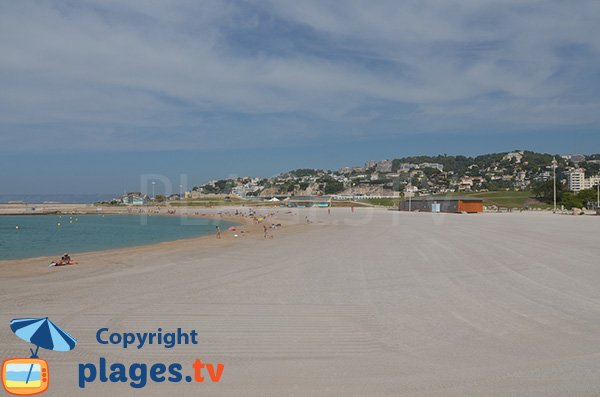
x=95, y=96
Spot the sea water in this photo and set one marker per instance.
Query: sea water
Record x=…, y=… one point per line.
x=52, y=235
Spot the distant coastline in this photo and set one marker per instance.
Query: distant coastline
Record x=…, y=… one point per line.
x=54, y=198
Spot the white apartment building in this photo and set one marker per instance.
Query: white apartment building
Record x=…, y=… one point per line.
x=437, y=166
x=578, y=181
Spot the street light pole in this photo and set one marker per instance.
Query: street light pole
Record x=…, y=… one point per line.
x=153, y=195
x=554, y=177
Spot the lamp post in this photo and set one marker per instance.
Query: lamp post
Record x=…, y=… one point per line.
x=554, y=177
x=409, y=194
x=153, y=195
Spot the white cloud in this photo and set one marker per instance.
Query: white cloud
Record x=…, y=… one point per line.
x=95, y=72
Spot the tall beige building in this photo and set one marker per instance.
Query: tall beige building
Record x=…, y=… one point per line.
x=578, y=181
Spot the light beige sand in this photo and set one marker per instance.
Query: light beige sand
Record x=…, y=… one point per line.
x=374, y=303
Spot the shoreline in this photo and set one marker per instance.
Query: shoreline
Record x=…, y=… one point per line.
x=252, y=230
x=92, y=209
x=247, y=227
x=55, y=209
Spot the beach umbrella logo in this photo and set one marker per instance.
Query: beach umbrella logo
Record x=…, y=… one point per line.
x=30, y=376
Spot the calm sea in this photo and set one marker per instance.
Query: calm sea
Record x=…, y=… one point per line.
x=41, y=235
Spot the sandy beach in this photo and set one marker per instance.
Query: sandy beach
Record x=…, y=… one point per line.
x=370, y=303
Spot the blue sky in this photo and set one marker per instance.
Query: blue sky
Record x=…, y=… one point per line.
x=97, y=93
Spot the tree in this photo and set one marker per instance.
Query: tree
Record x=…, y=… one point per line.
x=570, y=200
x=591, y=169
x=587, y=196
x=300, y=172
x=533, y=161
x=429, y=172
x=287, y=187
x=545, y=190
x=334, y=187
x=160, y=198
x=329, y=185
x=224, y=186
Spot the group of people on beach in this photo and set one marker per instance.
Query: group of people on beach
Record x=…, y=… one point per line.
x=255, y=217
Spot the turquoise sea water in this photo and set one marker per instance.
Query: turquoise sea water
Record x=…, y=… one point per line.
x=40, y=235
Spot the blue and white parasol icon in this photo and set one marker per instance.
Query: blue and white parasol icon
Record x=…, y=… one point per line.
x=42, y=333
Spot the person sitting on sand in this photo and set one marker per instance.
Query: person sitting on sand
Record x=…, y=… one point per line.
x=64, y=261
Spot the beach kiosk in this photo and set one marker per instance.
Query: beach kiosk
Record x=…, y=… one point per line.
x=456, y=205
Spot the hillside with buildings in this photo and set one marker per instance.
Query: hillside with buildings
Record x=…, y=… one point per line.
x=527, y=175
x=420, y=175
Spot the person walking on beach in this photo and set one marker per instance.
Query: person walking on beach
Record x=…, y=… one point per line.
x=265, y=230
x=218, y=231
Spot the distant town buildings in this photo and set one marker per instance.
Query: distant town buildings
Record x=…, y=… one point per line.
x=437, y=166
x=370, y=164
x=380, y=166
x=465, y=184
x=134, y=198
x=405, y=167
x=384, y=166
x=574, y=158
x=418, y=175
x=578, y=181
x=248, y=188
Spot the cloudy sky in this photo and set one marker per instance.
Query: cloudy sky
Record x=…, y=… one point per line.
x=95, y=93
